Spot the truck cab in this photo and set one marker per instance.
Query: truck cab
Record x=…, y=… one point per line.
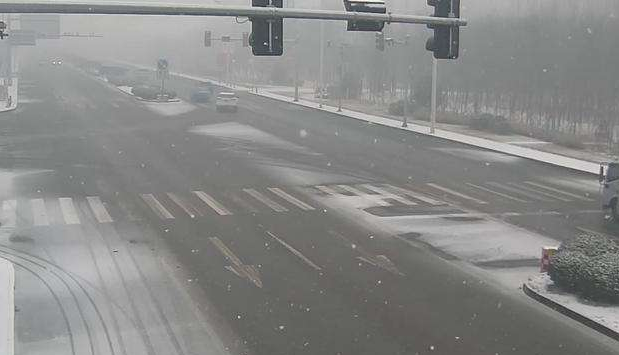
x=609, y=179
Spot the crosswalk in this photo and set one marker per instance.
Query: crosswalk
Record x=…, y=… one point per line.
x=196, y=204
x=428, y=194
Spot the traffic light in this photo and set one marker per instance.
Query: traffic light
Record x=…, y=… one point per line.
x=208, y=39
x=446, y=40
x=267, y=37
x=371, y=6
x=245, y=39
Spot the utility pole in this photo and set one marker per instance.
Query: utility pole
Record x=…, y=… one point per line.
x=433, y=108
x=339, y=103
x=322, y=60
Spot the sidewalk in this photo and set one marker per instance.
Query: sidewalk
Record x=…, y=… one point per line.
x=603, y=318
x=519, y=146
x=7, y=308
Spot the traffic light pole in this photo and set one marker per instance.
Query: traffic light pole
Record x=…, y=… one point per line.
x=433, y=108
x=322, y=62
x=172, y=9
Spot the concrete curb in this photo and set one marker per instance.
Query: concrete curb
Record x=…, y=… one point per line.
x=570, y=313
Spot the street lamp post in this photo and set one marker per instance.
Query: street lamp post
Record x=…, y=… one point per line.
x=433, y=108
x=339, y=102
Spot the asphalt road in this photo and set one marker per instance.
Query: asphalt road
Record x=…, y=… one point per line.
x=173, y=229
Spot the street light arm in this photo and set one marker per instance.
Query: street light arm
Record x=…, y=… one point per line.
x=171, y=9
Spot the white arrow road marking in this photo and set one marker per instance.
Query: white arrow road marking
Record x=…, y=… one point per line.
x=248, y=272
x=380, y=261
x=295, y=201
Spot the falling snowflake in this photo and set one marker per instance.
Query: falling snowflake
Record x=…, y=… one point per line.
x=302, y=133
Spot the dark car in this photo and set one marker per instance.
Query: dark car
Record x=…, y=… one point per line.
x=201, y=95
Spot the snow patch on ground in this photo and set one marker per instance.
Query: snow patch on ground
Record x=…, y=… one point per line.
x=606, y=315
x=475, y=241
x=479, y=155
x=247, y=136
x=170, y=108
x=307, y=175
x=126, y=89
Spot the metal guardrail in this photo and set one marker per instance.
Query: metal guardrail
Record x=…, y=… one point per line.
x=171, y=9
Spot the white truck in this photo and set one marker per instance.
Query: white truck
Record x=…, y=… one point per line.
x=609, y=181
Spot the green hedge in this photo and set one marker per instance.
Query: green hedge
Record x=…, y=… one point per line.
x=589, y=266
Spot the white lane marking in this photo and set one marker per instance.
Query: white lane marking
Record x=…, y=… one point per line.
x=416, y=195
x=69, y=213
x=497, y=193
x=295, y=252
x=98, y=209
x=248, y=272
x=537, y=191
x=457, y=194
x=549, y=188
x=9, y=213
x=39, y=212
x=516, y=191
x=295, y=201
x=156, y=206
x=188, y=208
x=372, y=198
x=388, y=194
x=327, y=190
x=212, y=203
x=267, y=201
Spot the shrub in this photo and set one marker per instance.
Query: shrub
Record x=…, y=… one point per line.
x=589, y=266
x=490, y=123
x=569, y=141
x=396, y=108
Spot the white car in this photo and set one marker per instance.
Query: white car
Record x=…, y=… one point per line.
x=226, y=101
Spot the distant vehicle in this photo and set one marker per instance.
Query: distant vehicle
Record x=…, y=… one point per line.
x=609, y=179
x=56, y=62
x=201, y=95
x=226, y=101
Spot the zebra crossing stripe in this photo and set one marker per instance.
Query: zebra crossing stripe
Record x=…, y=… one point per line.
x=267, y=201
x=281, y=193
x=549, y=188
x=416, y=195
x=39, y=213
x=390, y=195
x=156, y=206
x=457, y=194
x=69, y=213
x=99, y=210
x=327, y=190
x=500, y=194
x=372, y=198
x=212, y=203
x=516, y=191
x=537, y=191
